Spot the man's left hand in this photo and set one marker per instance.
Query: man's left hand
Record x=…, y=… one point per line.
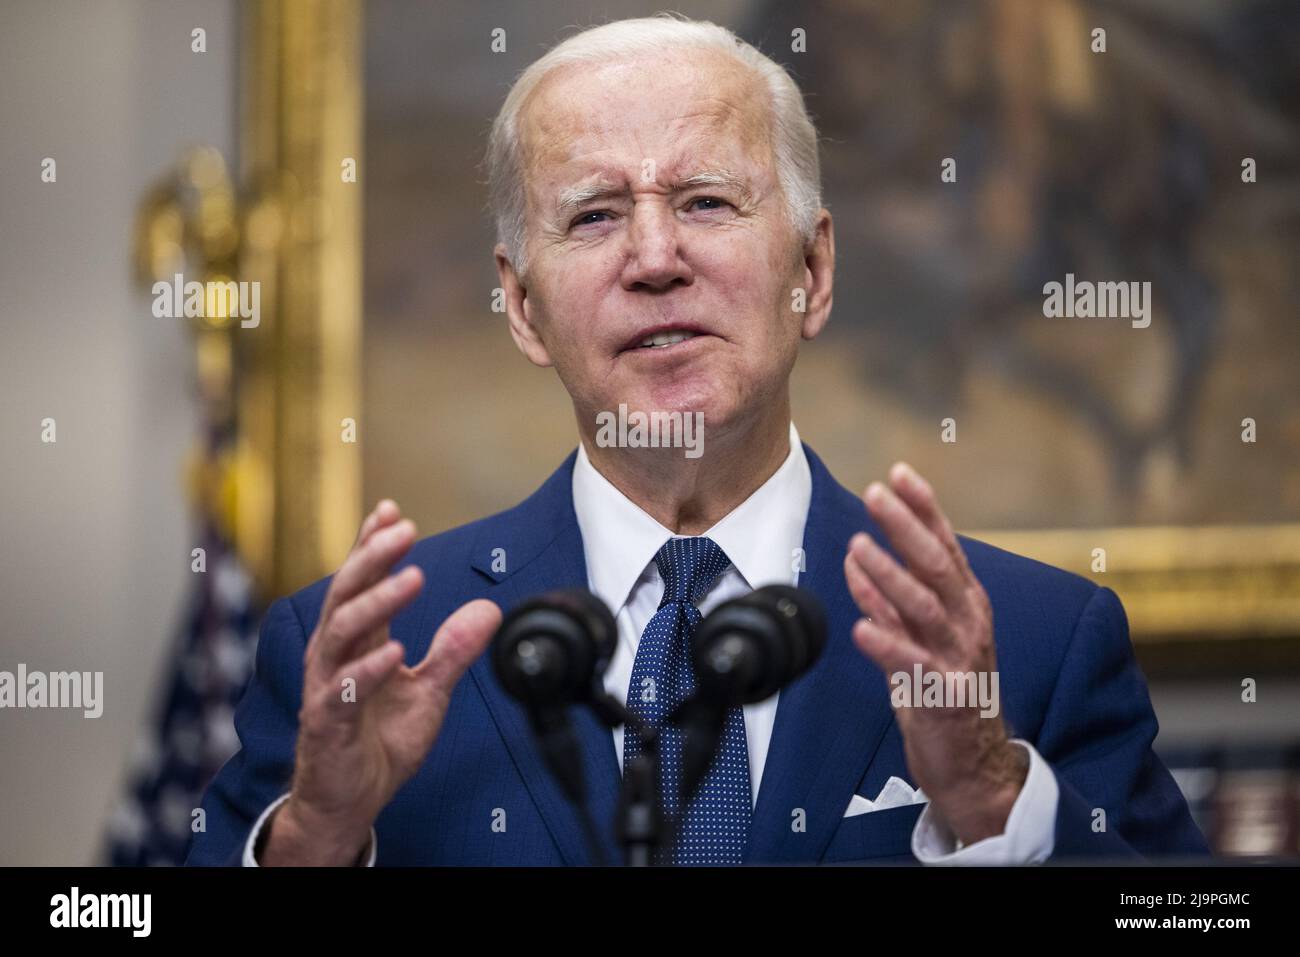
x=932, y=611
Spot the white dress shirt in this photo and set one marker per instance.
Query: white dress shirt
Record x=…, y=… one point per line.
x=761, y=536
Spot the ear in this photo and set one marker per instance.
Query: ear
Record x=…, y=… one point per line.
x=519, y=311
x=819, y=275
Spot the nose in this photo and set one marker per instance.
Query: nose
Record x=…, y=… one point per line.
x=654, y=256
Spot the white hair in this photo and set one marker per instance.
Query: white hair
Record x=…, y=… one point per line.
x=795, y=138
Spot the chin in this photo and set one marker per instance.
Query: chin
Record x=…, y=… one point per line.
x=681, y=397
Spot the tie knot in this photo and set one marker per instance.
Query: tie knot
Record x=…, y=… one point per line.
x=689, y=566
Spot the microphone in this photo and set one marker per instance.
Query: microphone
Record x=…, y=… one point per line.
x=548, y=654
x=744, y=651
x=749, y=648
x=549, y=651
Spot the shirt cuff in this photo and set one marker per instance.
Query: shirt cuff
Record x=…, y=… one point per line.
x=250, y=861
x=1029, y=836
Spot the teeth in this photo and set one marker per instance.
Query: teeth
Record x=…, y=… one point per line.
x=661, y=339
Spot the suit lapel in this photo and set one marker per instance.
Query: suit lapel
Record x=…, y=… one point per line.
x=830, y=722
x=542, y=536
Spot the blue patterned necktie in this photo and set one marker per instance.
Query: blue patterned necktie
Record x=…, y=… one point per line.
x=716, y=824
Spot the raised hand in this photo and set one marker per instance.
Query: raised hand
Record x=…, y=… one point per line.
x=932, y=611
x=367, y=719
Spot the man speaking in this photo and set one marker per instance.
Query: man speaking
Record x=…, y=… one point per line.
x=663, y=246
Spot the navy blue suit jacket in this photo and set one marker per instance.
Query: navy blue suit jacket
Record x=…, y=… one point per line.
x=1069, y=685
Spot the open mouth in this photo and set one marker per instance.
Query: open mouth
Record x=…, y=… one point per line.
x=658, y=339
x=662, y=340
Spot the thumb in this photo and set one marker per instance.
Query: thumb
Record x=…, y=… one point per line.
x=459, y=641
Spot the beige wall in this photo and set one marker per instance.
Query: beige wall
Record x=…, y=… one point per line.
x=94, y=532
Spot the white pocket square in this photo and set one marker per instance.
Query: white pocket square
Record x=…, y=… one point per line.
x=895, y=793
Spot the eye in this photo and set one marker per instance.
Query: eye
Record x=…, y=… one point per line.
x=585, y=219
x=709, y=199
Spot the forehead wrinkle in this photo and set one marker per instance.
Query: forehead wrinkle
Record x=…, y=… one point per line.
x=559, y=137
x=572, y=197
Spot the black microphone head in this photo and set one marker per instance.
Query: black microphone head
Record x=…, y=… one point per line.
x=805, y=617
x=748, y=648
x=550, y=650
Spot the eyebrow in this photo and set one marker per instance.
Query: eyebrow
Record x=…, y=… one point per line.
x=573, y=197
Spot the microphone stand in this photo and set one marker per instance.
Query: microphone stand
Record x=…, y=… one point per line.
x=639, y=820
x=560, y=751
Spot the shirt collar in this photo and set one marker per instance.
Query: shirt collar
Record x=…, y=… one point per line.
x=760, y=535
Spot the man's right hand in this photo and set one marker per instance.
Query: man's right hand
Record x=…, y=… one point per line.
x=367, y=720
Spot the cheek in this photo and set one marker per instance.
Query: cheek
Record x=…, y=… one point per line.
x=761, y=307
x=563, y=314
x=755, y=269
x=578, y=305
x=552, y=308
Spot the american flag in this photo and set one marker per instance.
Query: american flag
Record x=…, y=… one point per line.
x=192, y=732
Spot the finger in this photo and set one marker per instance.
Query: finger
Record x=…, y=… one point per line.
x=365, y=616
x=919, y=495
x=384, y=513
x=459, y=641
x=923, y=614
x=866, y=595
x=924, y=554
x=890, y=651
x=368, y=563
x=358, y=680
